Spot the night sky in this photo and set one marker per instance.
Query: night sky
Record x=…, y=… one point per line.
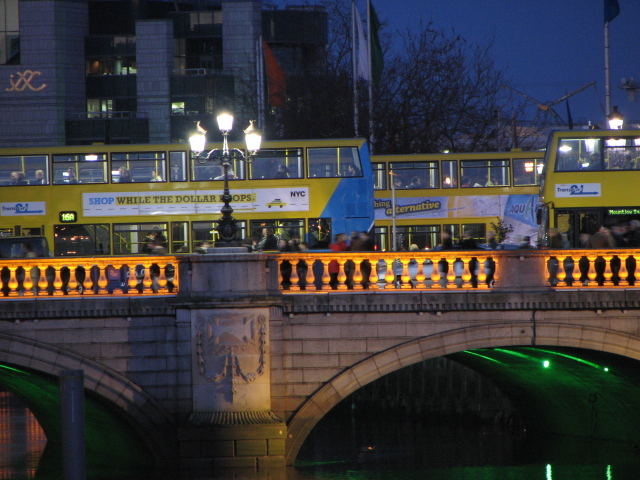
x=546, y=47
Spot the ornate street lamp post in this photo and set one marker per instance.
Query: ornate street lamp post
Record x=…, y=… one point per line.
x=226, y=225
x=615, y=119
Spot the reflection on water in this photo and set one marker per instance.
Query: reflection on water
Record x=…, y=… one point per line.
x=22, y=441
x=348, y=445
x=353, y=447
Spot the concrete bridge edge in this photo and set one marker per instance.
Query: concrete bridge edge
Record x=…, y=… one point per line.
x=150, y=419
x=444, y=343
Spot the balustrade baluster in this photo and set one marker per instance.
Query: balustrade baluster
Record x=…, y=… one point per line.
x=310, y=279
x=326, y=278
x=466, y=272
x=27, y=283
x=342, y=276
x=294, y=278
x=592, y=274
x=389, y=276
x=623, y=273
x=420, y=276
x=57, y=281
x=102, y=279
x=147, y=281
x=373, y=275
x=405, y=278
x=435, y=274
x=451, y=274
x=561, y=276
x=482, y=273
x=357, y=274
x=608, y=272
x=43, y=283
x=72, y=284
x=13, y=282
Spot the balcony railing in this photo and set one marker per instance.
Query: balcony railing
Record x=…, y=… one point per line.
x=74, y=276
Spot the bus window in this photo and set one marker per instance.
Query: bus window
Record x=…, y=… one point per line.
x=527, y=171
x=79, y=168
x=485, y=173
x=319, y=233
x=423, y=236
x=277, y=163
x=454, y=232
x=179, y=232
x=621, y=157
x=138, y=167
x=131, y=238
x=415, y=175
x=476, y=231
x=24, y=170
x=381, y=236
x=379, y=176
x=178, y=166
x=204, y=234
x=284, y=229
x=449, y=173
x=81, y=240
x=577, y=154
x=334, y=162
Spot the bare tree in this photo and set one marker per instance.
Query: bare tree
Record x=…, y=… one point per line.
x=436, y=93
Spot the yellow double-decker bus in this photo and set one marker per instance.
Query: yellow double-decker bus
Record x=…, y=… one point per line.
x=590, y=182
x=130, y=199
x=420, y=196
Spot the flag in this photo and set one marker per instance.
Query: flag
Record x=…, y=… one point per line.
x=569, y=117
x=377, y=62
x=611, y=10
x=361, y=46
x=276, y=80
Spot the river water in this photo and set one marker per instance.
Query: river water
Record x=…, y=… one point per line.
x=368, y=445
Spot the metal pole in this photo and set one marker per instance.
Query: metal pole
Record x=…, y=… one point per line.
x=72, y=412
x=607, y=73
x=227, y=224
x=394, y=242
x=354, y=67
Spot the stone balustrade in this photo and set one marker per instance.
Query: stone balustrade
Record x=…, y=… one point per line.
x=593, y=268
x=313, y=272
x=435, y=270
x=95, y=276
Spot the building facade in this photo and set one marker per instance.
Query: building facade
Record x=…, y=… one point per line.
x=116, y=71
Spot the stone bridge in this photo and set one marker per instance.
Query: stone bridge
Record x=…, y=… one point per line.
x=230, y=359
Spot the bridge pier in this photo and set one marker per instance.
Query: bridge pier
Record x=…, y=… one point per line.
x=228, y=300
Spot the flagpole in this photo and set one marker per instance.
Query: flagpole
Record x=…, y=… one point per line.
x=260, y=82
x=354, y=66
x=371, y=134
x=607, y=73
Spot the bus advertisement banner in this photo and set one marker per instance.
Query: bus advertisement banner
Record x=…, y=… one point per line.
x=187, y=202
x=520, y=208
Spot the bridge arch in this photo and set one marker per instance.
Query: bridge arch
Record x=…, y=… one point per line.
x=142, y=413
x=376, y=366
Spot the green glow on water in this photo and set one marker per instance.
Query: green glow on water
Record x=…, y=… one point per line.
x=609, y=472
x=549, y=472
x=483, y=356
x=546, y=364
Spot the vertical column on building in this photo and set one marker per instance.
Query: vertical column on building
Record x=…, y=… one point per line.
x=48, y=86
x=154, y=58
x=241, y=29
